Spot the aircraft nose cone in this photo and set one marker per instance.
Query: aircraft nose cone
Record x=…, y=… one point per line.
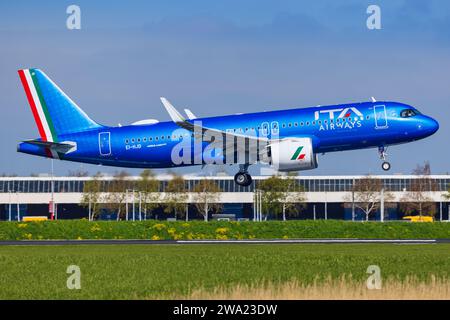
x=430, y=125
x=434, y=125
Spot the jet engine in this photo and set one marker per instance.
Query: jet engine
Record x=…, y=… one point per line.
x=292, y=154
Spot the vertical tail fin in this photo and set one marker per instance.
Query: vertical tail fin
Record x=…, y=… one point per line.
x=54, y=112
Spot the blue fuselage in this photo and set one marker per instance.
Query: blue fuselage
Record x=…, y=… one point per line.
x=331, y=128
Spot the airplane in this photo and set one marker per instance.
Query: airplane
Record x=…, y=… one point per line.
x=288, y=140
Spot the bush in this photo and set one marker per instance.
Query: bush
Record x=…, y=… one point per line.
x=178, y=230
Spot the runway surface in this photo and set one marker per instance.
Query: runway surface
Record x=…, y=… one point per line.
x=184, y=242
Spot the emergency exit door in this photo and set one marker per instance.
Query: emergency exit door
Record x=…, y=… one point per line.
x=104, y=142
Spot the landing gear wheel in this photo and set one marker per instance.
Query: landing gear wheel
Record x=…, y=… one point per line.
x=385, y=166
x=243, y=179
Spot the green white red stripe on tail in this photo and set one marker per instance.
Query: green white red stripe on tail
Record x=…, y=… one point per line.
x=39, y=108
x=38, y=105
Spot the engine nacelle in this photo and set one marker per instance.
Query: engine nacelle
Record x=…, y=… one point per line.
x=293, y=154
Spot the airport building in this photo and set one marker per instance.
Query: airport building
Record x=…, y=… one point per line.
x=326, y=197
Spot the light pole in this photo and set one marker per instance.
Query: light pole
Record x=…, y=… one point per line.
x=126, y=204
x=52, y=188
x=126, y=199
x=89, y=212
x=134, y=201
x=260, y=206
x=18, y=206
x=255, y=202
x=353, y=205
x=9, y=206
x=140, y=206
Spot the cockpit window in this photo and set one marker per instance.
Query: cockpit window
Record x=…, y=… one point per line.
x=409, y=113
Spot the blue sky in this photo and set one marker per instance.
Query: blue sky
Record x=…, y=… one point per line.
x=223, y=57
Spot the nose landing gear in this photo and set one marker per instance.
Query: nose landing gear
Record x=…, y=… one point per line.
x=382, y=152
x=243, y=178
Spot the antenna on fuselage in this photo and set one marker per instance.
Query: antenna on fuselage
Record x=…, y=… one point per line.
x=373, y=99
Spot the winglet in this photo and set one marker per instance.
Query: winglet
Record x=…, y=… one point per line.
x=190, y=115
x=173, y=113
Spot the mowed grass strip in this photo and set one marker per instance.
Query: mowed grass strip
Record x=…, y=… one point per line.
x=168, y=271
x=194, y=230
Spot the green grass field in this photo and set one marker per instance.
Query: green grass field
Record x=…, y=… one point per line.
x=165, y=271
x=163, y=230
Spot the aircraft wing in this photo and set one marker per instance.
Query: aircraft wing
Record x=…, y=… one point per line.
x=255, y=145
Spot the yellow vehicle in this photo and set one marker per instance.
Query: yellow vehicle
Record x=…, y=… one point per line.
x=35, y=218
x=419, y=218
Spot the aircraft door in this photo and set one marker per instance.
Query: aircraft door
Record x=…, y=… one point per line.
x=104, y=143
x=380, y=117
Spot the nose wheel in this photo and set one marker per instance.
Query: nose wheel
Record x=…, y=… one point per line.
x=386, y=166
x=243, y=178
x=382, y=152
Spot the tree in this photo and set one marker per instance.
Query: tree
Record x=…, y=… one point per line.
x=91, y=197
x=148, y=187
x=115, y=198
x=293, y=197
x=176, y=196
x=279, y=195
x=206, y=197
x=271, y=195
x=447, y=195
x=367, y=193
x=417, y=198
x=78, y=173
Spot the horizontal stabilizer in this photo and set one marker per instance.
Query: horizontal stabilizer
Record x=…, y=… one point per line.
x=62, y=147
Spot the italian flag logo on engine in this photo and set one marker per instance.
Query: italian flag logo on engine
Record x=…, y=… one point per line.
x=298, y=155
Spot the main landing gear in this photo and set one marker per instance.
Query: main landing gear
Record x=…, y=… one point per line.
x=382, y=152
x=243, y=178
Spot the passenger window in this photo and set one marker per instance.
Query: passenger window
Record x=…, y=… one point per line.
x=265, y=129
x=274, y=128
